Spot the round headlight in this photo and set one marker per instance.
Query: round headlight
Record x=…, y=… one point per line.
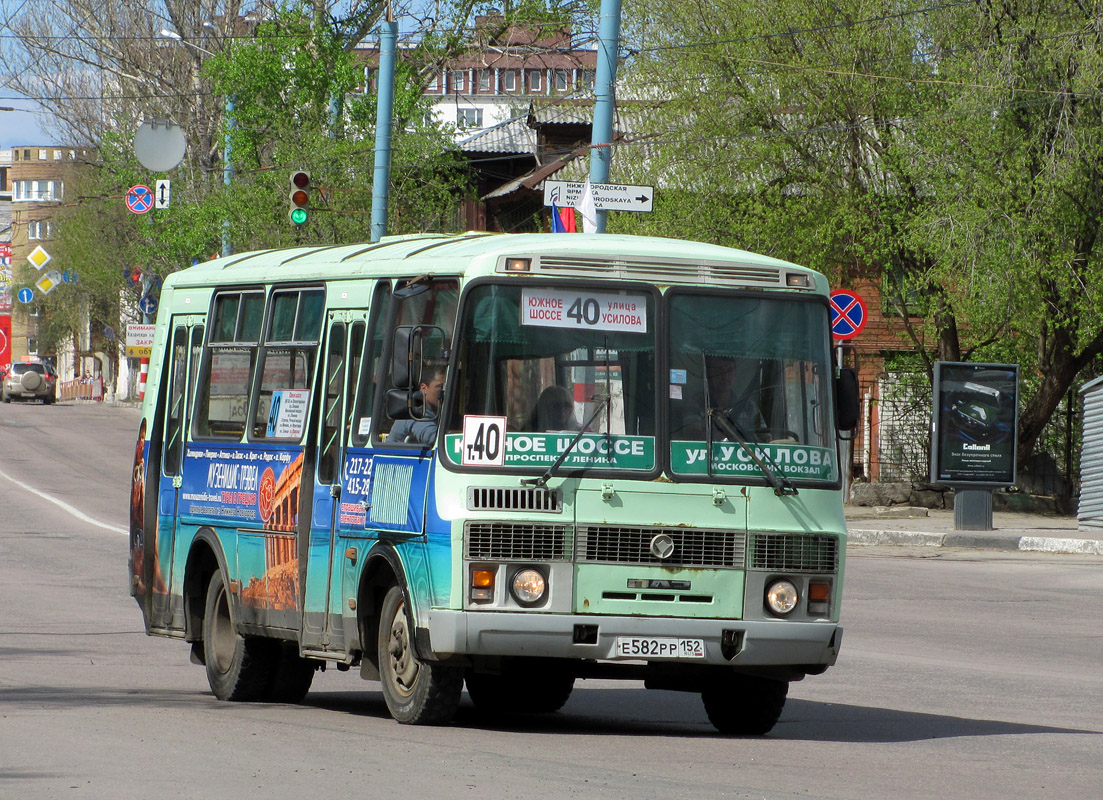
x=782, y=597
x=529, y=586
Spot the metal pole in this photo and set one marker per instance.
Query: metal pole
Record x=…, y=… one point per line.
x=388, y=36
x=604, y=100
x=228, y=172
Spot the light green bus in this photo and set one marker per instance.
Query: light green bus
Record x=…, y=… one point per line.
x=505, y=461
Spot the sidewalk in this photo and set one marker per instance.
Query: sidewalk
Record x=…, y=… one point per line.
x=920, y=527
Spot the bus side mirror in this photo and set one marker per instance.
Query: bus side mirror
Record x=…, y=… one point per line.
x=402, y=354
x=846, y=399
x=397, y=402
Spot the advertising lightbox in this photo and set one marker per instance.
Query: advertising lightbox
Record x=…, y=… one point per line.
x=974, y=422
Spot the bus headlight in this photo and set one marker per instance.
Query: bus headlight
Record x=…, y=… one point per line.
x=782, y=597
x=529, y=586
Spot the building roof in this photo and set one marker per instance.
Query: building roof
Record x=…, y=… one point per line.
x=512, y=136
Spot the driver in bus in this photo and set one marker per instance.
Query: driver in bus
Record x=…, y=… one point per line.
x=554, y=411
x=422, y=431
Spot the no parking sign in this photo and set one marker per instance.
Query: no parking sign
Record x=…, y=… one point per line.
x=848, y=314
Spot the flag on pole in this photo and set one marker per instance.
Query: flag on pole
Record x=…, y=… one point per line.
x=588, y=210
x=557, y=220
x=567, y=215
x=563, y=220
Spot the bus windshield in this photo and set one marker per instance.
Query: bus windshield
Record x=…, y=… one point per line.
x=551, y=361
x=761, y=365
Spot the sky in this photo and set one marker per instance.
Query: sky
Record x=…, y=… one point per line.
x=21, y=126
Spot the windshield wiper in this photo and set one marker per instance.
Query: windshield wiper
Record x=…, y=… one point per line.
x=542, y=481
x=782, y=485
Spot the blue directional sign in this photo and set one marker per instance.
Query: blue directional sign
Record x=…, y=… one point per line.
x=848, y=314
x=25, y=296
x=148, y=304
x=69, y=276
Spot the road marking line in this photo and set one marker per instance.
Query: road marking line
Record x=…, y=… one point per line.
x=66, y=507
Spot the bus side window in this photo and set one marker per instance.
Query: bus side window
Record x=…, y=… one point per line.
x=287, y=360
x=223, y=402
x=430, y=309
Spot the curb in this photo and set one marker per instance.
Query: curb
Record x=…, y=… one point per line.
x=978, y=541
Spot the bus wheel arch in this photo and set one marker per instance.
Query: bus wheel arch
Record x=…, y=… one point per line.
x=204, y=559
x=417, y=692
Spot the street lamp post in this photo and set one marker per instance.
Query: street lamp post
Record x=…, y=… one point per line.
x=228, y=153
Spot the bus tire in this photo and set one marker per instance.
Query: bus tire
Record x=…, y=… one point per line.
x=522, y=690
x=416, y=693
x=292, y=676
x=745, y=705
x=238, y=667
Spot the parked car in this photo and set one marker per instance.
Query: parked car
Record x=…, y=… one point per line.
x=29, y=382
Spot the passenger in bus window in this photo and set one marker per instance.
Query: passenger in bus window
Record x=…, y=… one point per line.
x=422, y=431
x=554, y=411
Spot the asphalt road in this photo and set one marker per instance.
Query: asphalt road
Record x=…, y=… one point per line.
x=963, y=674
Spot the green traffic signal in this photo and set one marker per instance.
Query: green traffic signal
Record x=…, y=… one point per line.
x=299, y=196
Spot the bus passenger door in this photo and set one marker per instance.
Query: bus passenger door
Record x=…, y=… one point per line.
x=322, y=619
x=185, y=349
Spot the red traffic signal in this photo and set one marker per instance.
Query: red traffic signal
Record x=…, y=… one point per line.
x=299, y=196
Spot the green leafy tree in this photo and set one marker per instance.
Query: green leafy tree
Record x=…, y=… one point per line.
x=949, y=152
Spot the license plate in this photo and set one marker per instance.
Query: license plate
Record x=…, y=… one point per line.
x=652, y=647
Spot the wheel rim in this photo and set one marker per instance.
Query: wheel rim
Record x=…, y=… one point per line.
x=223, y=640
x=403, y=665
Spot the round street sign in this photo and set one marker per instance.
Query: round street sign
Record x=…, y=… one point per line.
x=159, y=145
x=69, y=276
x=848, y=314
x=139, y=199
x=148, y=304
x=25, y=295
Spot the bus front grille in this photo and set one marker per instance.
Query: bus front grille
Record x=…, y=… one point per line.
x=516, y=541
x=794, y=552
x=692, y=547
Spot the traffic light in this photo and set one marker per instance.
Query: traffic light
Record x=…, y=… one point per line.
x=299, y=196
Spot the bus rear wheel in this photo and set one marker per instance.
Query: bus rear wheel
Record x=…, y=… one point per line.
x=416, y=692
x=745, y=705
x=238, y=667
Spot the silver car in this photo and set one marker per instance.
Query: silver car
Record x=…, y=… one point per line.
x=33, y=381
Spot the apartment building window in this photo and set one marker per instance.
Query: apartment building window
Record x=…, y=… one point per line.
x=484, y=81
x=434, y=83
x=536, y=80
x=57, y=155
x=562, y=80
x=42, y=154
x=469, y=117
x=27, y=154
x=39, y=229
x=459, y=81
x=509, y=80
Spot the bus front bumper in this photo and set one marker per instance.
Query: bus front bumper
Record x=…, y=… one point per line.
x=735, y=643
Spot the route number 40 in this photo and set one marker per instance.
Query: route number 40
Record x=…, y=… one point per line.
x=484, y=442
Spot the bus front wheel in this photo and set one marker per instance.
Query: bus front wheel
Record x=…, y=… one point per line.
x=417, y=693
x=238, y=668
x=745, y=705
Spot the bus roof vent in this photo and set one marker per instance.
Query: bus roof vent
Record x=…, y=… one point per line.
x=527, y=498
x=665, y=271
